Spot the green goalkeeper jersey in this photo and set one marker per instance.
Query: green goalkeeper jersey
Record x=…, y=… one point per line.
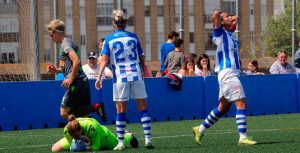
x=101, y=137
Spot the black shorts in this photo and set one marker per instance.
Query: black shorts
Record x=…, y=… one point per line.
x=77, y=95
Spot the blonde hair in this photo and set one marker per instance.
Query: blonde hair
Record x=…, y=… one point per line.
x=56, y=25
x=119, y=18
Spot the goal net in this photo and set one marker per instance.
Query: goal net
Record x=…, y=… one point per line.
x=18, y=41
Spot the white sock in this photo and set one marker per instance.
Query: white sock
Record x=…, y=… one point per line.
x=121, y=143
x=147, y=140
x=201, y=129
x=243, y=136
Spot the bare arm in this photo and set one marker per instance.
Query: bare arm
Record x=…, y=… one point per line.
x=75, y=67
x=235, y=19
x=76, y=64
x=142, y=60
x=216, y=20
x=52, y=69
x=101, y=69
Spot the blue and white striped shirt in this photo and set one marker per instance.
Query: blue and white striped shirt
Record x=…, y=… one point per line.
x=124, y=49
x=227, y=54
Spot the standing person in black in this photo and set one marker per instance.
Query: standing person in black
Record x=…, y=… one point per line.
x=77, y=100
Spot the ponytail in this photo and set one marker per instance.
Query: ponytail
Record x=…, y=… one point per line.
x=71, y=117
x=73, y=127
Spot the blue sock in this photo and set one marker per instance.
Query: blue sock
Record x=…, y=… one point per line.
x=146, y=123
x=241, y=120
x=121, y=126
x=212, y=118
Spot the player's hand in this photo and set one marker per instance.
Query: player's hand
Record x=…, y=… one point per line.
x=51, y=68
x=98, y=84
x=67, y=83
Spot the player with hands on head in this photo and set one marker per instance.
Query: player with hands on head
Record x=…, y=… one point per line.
x=230, y=88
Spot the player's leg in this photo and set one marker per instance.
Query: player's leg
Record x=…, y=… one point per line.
x=241, y=117
x=111, y=141
x=216, y=113
x=237, y=94
x=65, y=105
x=61, y=145
x=241, y=123
x=64, y=112
x=86, y=103
x=121, y=93
x=145, y=121
x=138, y=91
x=211, y=119
x=79, y=100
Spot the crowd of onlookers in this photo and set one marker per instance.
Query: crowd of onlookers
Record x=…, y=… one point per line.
x=175, y=60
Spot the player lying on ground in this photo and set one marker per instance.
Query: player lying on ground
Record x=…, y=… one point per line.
x=87, y=134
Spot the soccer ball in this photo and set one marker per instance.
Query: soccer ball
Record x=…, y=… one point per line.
x=80, y=144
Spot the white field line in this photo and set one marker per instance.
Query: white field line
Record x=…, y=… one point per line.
x=228, y=132
x=27, y=146
x=164, y=137
x=258, y=117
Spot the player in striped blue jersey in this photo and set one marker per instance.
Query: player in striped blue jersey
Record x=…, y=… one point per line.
x=127, y=61
x=230, y=87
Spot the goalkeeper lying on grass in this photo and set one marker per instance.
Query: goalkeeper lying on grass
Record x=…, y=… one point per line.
x=87, y=134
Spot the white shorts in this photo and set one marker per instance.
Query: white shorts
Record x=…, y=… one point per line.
x=135, y=89
x=230, y=86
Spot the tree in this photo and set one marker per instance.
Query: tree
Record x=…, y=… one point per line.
x=278, y=35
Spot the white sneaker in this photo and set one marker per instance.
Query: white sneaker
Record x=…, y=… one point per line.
x=119, y=147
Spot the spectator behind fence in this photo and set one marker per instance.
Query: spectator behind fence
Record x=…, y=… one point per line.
x=100, y=45
x=252, y=68
x=92, y=67
x=193, y=56
x=175, y=60
x=190, y=66
x=281, y=66
x=147, y=72
x=165, y=49
x=297, y=60
x=202, y=67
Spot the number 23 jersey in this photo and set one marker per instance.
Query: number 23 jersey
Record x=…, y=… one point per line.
x=123, y=48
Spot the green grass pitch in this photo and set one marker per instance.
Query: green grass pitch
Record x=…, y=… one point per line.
x=275, y=133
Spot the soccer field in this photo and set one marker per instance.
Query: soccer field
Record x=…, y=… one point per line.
x=275, y=133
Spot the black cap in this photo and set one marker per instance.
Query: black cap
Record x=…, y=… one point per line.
x=92, y=54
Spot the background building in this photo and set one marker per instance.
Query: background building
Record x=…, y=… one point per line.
x=89, y=20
